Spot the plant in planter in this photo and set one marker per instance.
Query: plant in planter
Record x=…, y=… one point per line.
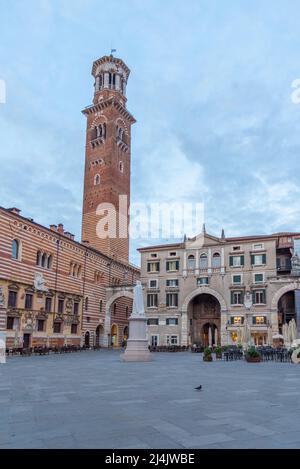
x=218, y=351
x=207, y=356
x=252, y=355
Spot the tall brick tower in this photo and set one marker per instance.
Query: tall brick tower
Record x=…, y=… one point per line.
x=107, y=159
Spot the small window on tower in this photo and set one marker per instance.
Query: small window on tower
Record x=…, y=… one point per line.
x=97, y=180
x=121, y=166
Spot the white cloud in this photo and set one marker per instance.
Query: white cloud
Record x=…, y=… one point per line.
x=169, y=176
x=275, y=201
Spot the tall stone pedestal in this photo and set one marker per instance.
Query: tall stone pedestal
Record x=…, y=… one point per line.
x=137, y=344
x=2, y=347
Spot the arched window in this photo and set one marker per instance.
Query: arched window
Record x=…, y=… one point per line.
x=97, y=180
x=44, y=260
x=216, y=261
x=86, y=304
x=79, y=272
x=191, y=262
x=112, y=80
x=49, y=262
x=38, y=258
x=203, y=261
x=15, y=249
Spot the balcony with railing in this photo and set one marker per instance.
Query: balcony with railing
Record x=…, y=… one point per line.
x=284, y=266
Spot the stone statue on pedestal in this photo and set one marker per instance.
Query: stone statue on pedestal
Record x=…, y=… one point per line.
x=137, y=344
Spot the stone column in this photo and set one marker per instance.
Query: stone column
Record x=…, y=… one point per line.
x=107, y=331
x=224, y=332
x=184, y=271
x=118, y=82
x=2, y=330
x=106, y=79
x=184, y=328
x=97, y=84
x=274, y=321
x=197, y=271
x=223, y=261
x=209, y=261
x=297, y=311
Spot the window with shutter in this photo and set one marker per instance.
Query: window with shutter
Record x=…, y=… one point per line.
x=232, y=298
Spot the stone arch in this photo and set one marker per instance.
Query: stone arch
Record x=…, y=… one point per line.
x=120, y=121
x=116, y=296
x=200, y=291
x=114, y=335
x=281, y=292
x=99, y=335
x=99, y=120
x=112, y=299
x=87, y=338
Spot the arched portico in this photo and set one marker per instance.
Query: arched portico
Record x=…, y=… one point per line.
x=278, y=306
x=114, y=294
x=200, y=291
x=221, y=325
x=287, y=288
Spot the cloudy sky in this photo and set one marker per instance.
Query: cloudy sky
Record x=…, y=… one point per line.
x=210, y=87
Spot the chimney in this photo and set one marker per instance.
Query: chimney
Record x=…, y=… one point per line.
x=15, y=210
x=223, y=234
x=53, y=227
x=69, y=235
x=60, y=228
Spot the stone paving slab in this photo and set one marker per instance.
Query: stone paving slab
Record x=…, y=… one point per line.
x=93, y=400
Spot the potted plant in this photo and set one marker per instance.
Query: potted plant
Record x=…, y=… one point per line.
x=252, y=355
x=218, y=351
x=207, y=356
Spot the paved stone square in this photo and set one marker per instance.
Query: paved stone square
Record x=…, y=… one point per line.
x=93, y=400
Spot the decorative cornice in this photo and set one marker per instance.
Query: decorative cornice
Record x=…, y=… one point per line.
x=105, y=104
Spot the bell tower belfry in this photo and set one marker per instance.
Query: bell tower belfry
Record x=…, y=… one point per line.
x=107, y=158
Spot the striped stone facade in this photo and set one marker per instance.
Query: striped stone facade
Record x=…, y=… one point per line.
x=72, y=291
